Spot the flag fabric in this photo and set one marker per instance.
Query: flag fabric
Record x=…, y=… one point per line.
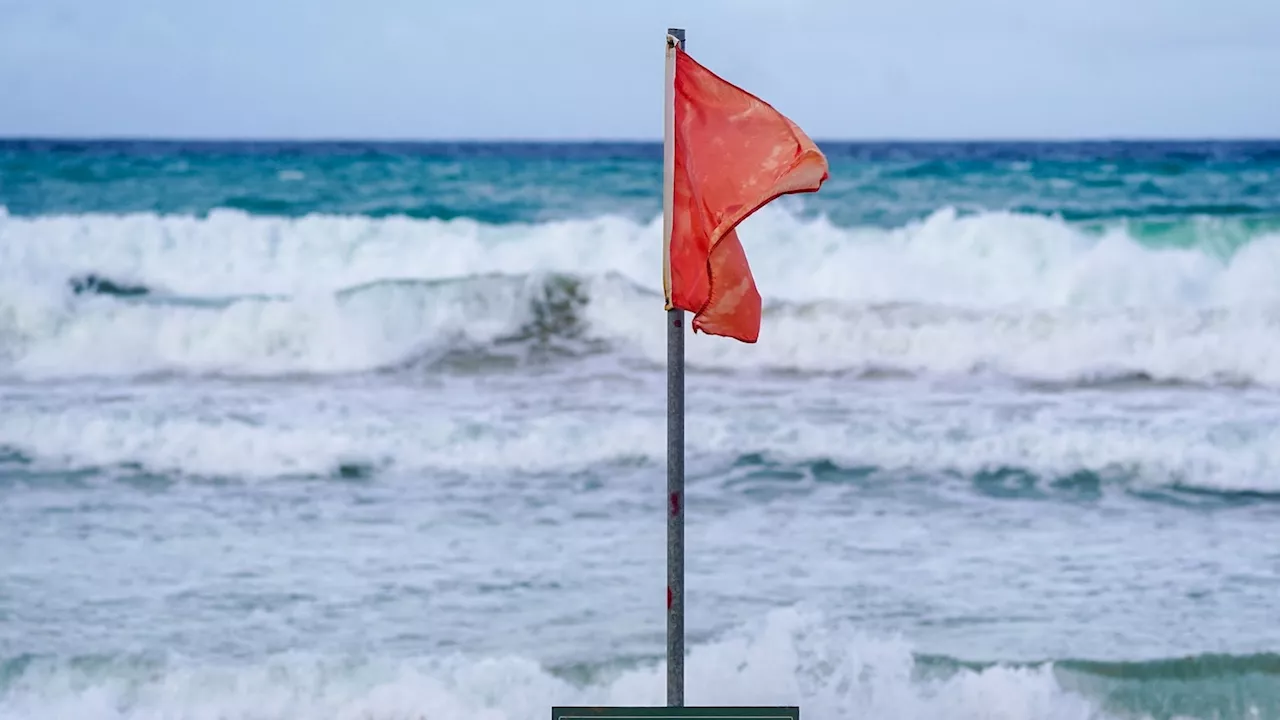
x=733, y=154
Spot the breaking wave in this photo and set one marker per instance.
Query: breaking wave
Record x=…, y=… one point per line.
x=469, y=322
x=996, y=293
x=1197, y=454
x=830, y=669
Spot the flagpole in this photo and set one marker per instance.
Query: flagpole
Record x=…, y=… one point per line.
x=675, y=409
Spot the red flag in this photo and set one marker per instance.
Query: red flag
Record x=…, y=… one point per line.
x=733, y=154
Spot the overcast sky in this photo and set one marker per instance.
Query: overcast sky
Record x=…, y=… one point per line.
x=425, y=69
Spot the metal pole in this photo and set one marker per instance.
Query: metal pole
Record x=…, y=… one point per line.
x=675, y=420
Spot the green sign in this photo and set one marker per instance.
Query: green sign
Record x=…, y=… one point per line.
x=675, y=713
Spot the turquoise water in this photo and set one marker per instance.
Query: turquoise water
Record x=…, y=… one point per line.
x=378, y=431
x=872, y=184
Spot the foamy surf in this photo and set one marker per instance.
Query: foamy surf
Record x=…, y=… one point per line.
x=829, y=669
x=47, y=334
x=990, y=259
x=1024, y=296
x=830, y=432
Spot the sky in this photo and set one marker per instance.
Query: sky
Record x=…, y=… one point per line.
x=593, y=69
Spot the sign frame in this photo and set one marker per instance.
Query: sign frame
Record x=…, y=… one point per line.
x=648, y=712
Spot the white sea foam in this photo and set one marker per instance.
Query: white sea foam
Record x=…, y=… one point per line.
x=1021, y=295
x=368, y=328
x=1211, y=442
x=991, y=259
x=388, y=324
x=831, y=671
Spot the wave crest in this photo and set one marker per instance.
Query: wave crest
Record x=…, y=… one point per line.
x=468, y=323
x=830, y=668
x=996, y=293
x=990, y=259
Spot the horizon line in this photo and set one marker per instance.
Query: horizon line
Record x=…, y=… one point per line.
x=515, y=140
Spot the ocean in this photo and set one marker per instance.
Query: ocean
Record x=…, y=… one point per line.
x=377, y=431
